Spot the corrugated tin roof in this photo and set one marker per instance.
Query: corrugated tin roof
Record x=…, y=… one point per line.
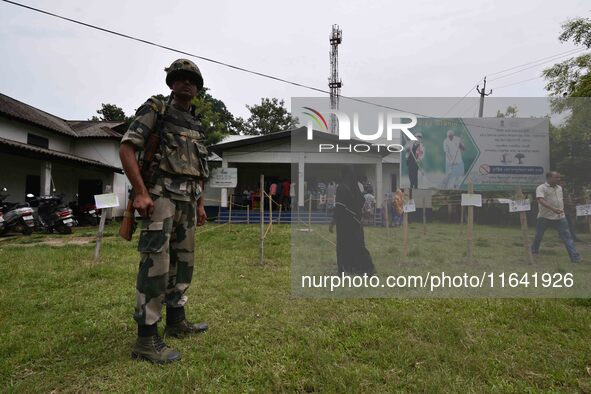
x=77, y=128
x=233, y=138
x=19, y=110
x=96, y=128
x=14, y=147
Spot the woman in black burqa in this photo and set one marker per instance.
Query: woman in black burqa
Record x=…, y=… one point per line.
x=352, y=255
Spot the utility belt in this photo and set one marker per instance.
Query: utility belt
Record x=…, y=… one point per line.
x=174, y=186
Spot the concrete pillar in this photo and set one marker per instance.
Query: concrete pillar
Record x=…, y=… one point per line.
x=379, y=186
x=301, y=178
x=224, y=190
x=45, y=178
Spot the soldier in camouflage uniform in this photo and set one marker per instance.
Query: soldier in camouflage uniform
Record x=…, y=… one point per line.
x=168, y=197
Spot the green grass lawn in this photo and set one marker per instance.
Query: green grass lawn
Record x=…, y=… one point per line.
x=66, y=324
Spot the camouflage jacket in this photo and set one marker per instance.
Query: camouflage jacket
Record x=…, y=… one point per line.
x=180, y=162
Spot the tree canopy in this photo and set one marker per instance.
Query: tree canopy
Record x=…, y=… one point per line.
x=269, y=116
x=570, y=84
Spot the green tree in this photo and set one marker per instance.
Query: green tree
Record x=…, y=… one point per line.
x=217, y=120
x=571, y=77
x=110, y=112
x=510, y=112
x=215, y=117
x=270, y=116
x=570, y=82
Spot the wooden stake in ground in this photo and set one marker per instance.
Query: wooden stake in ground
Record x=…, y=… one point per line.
x=99, y=235
x=279, y=215
x=469, y=235
x=230, y=211
x=424, y=217
x=524, y=230
x=587, y=201
x=262, y=217
x=405, y=230
x=270, y=213
x=310, y=213
x=219, y=212
x=387, y=214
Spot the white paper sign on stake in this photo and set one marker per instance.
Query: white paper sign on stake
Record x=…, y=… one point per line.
x=474, y=200
x=584, y=210
x=520, y=206
x=108, y=200
x=409, y=206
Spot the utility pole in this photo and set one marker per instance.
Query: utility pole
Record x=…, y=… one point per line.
x=334, y=82
x=483, y=94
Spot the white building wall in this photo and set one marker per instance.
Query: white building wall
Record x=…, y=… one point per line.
x=15, y=179
x=106, y=151
x=17, y=131
x=65, y=177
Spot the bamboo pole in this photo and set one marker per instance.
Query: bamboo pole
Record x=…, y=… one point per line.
x=100, y=233
x=424, y=217
x=230, y=211
x=310, y=213
x=220, y=211
x=470, y=234
x=587, y=201
x=270, y=213
x=524, y=230
x=387, y=214
x=279, y=217
x=262, y=213
x=405, y=230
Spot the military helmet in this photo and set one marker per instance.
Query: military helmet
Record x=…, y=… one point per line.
x=183, y=66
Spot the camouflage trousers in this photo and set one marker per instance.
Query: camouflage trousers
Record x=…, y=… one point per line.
x=166, y=245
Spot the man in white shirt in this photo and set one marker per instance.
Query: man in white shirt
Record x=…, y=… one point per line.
x=551, y=214
x=454, y=164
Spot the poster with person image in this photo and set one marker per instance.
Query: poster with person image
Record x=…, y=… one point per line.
x=440, y=157
x=492, y=153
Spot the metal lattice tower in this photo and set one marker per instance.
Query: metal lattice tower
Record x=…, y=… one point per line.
x=334, y=82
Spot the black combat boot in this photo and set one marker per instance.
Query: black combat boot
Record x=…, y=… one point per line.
x=155, y=350
x=149, y=346
x=178, y=326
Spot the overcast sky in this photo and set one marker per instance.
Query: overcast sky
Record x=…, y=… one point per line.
x=390, y=48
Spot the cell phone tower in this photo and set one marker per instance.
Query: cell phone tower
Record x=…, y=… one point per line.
x=334, y=82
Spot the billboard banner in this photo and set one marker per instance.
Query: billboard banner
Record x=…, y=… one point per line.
x=493, y=153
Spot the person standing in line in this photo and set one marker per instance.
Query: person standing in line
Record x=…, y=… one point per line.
x=285, y=195
x=397, y=208
x=353, y=258
x=273, y=190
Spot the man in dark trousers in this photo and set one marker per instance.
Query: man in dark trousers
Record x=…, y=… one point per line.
x=551, y=214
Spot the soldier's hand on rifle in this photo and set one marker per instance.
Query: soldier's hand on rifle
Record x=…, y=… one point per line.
x=144, y=205
x=201, y=215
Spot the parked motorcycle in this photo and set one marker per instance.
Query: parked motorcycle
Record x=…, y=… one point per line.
x=15, y=217
x=85, y=214
x=51, y=214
